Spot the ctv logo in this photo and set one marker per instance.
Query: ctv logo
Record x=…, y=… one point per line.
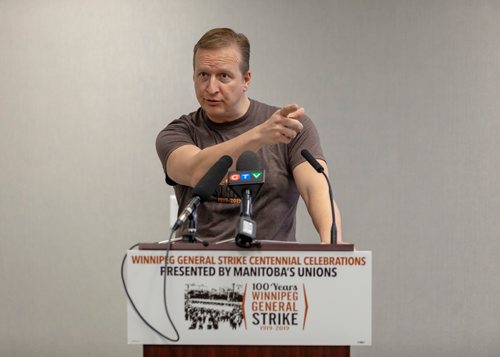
x=246, y=177
x=240, y=177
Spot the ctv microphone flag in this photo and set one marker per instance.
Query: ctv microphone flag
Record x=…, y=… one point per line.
x=249, y=174
x=246, y=177
x=240, y=180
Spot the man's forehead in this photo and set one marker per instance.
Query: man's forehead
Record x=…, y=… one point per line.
x=217, y=57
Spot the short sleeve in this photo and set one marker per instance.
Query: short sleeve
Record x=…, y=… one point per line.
x=308, y=139
x=178, y=133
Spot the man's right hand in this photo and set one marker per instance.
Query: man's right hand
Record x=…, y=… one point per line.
x=283, y=126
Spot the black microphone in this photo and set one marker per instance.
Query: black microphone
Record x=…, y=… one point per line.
x=248, y=161
x=205, y=188
x=317, y=166
x=310, y=159
x=246, y=183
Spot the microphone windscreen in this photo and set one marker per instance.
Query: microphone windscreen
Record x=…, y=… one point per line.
x=248, y=161
x=314, y=163
x=208, y=183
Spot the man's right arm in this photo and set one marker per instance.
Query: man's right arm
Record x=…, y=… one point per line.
x=187, y=164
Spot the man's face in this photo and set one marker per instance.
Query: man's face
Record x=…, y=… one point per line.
x=219, y=84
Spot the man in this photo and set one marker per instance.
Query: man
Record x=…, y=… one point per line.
x=228, y=122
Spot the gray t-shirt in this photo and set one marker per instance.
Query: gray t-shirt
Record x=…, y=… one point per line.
x=275, y=206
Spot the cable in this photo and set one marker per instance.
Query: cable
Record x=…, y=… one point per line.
x=167, y=252
x=177, y=338
x=333, y=229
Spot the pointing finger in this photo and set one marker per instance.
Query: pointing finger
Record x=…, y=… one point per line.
x=285, y=111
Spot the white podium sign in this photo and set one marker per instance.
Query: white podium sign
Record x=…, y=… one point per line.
x=251, y=297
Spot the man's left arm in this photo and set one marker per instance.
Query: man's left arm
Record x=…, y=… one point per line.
x=313, y=188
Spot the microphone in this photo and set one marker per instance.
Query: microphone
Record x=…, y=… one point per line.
x=310, y=159
x=205, y=188
x=246, y=183
x=317, y=166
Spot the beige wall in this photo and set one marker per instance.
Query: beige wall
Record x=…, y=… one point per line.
x=406, y=97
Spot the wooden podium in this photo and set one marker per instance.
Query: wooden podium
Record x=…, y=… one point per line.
x=253, y=348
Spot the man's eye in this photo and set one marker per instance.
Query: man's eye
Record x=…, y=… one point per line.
x=224, y=76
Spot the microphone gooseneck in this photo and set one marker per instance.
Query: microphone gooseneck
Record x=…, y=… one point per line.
x=317, y=166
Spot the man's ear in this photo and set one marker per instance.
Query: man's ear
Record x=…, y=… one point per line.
x=247, y=77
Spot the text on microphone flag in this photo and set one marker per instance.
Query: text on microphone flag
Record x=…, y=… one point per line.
x=246, y=177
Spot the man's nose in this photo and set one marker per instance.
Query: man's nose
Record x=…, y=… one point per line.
x=212, y=86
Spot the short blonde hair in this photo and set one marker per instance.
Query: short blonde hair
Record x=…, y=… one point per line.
x=224, y=37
